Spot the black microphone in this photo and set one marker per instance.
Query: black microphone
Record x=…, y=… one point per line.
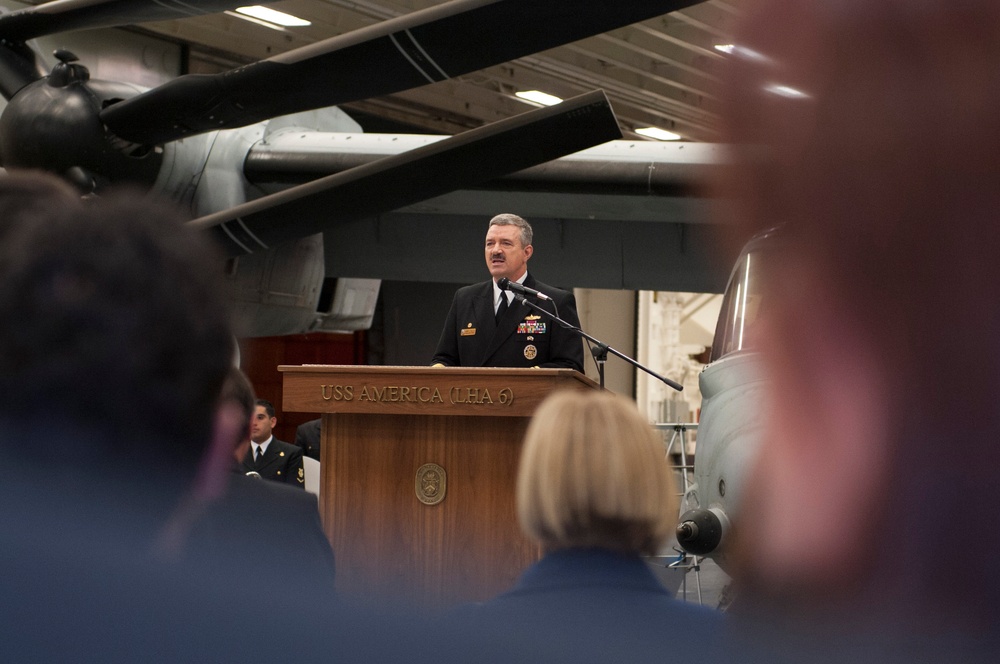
x=507, y=284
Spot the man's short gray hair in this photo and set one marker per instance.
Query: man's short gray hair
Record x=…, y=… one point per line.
x=508, y=219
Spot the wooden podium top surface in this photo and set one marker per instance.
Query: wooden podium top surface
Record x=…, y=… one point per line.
x=477, y=391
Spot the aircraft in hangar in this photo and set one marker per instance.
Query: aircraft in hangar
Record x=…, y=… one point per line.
x=258, y=156
x=731, y=428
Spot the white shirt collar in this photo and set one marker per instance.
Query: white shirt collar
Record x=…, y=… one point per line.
x=262, y=446
x=510, y=295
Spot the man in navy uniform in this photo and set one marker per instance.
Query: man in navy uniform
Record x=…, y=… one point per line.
x=308, y=436
x=486, y=327
x=269, y=457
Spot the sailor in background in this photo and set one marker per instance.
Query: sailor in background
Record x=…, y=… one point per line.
x=308, y=436
x=269, y=457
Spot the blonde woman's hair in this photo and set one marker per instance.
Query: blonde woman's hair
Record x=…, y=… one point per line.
x=593, y=474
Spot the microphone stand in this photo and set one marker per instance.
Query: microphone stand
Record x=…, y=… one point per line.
x=600, y=349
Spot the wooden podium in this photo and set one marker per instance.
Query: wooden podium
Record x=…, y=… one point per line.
x=418, y=472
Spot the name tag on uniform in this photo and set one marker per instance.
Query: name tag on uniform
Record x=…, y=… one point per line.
x=468, y=332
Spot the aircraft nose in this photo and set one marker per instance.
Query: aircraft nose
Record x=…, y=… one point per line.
x=701, y=531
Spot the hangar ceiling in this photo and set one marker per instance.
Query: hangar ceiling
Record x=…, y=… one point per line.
x=660, y=73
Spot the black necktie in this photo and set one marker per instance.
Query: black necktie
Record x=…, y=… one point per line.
x=502, y=308
x=256, y=460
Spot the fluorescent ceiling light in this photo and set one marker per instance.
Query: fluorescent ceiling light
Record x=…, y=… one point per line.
x=658, y=134
x=786, y=91
x=538, y=97
x=725, y=48
x=251, y=19
x=272, y=16
x=745, y=53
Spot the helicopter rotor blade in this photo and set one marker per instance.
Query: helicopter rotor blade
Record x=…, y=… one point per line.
x=65, y=15
x=429, y=45
x=459, y=162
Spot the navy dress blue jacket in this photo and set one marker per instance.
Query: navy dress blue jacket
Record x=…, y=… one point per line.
x=588, y=605
x=282, y=462
x=523, y=338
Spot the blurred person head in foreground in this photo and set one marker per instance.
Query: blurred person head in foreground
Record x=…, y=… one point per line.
x=869, y=132
x=596, y=493
x=120, y=533
x=592, y=474
x=116, y=331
